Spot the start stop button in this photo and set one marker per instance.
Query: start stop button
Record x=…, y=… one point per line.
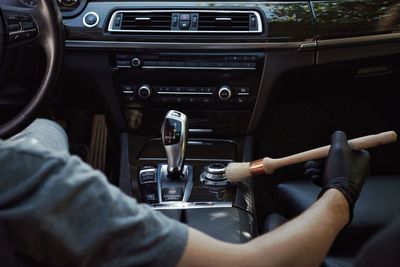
x=91, y=19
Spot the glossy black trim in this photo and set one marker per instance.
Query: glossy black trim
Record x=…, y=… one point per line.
x=283, y=21
x=353, y=18
x=360, y=40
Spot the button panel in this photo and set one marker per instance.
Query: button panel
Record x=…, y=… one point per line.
x=147, y=176
x=148, y=184
x=239, y=62
x=184, y=21
x=21, y=28
x=186, y=94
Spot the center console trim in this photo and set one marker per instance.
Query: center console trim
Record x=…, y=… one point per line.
x=188, y=46
x=191, y=205
x=197, y=68
x=188, y=159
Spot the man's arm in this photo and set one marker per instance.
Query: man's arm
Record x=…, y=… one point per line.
x=303, y=241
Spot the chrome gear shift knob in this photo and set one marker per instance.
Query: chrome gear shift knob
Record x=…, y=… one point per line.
x=174, y=132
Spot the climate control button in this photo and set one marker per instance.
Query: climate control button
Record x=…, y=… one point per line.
x=224, y=93
x=144, y=91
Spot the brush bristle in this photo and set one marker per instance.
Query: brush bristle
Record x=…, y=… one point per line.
x=236, y=172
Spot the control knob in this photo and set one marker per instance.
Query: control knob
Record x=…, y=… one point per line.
x=136, y=62
x=224, y=93
x=144, y=91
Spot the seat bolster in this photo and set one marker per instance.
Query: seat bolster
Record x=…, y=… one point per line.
x=377, y=206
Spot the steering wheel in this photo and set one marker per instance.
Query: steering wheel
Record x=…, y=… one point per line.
x=42, y=25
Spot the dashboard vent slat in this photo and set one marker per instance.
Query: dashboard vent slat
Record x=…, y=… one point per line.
x=146, y=21
x=210, y=21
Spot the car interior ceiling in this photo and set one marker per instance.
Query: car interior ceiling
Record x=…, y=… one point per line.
x=310, y=74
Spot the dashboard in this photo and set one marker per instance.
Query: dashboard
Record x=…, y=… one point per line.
x=219, y=59
x=211, y=56
x=68, y=8
x=62, y=3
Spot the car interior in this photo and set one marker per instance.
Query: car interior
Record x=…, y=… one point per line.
x=162, y=95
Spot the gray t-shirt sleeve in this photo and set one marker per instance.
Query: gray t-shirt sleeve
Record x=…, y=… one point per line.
x=59, y=211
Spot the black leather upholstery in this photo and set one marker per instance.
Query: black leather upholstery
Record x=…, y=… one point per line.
x=273, y=221
x=337, y=262
x=377, y=206
x=231, y=225
x=382, y=249
x=7, y=257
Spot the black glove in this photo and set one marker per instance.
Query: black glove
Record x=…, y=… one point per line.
x=345, y=170
x=313, y=170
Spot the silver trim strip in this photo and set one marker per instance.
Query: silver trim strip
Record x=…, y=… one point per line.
x=188, y=159
x=23, y=31
x=197, y=68
x=182, y=45
x=258, y=16
x=143, y=19
x=183, y=93
x=223, y=19
x=358, y=40
x=191, y=205
x=239, y=46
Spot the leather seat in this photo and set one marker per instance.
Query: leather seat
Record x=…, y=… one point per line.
x=378, y=205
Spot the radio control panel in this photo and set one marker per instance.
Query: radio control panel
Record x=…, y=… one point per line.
x=190, y=80
x=194, y=62
x=185, y=94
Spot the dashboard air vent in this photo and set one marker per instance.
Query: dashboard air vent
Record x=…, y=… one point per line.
x=186, y=21
x=227, y=22
x=145, y=21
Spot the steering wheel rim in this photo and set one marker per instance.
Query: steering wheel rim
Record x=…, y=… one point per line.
x=51, y=37
x=2, y=40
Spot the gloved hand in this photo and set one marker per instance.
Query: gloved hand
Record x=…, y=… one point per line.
x=345, y=170
x=313, y=170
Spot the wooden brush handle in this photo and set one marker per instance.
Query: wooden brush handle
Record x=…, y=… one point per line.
x=366, y=142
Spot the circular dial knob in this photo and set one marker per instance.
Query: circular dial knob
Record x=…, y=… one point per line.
x=224, y=93
x=213, y=175
x=136, y=62
x=144, y=91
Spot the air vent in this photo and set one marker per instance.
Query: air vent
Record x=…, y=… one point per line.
x=186, y=21
x=143, y=21
x=228, y=22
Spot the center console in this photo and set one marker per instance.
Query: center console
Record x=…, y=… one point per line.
x=194, y=70
x=182, y=173
x=184, y=177
x=180, y=169
x=217, y=90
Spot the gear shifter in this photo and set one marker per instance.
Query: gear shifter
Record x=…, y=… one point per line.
x=174, y=133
